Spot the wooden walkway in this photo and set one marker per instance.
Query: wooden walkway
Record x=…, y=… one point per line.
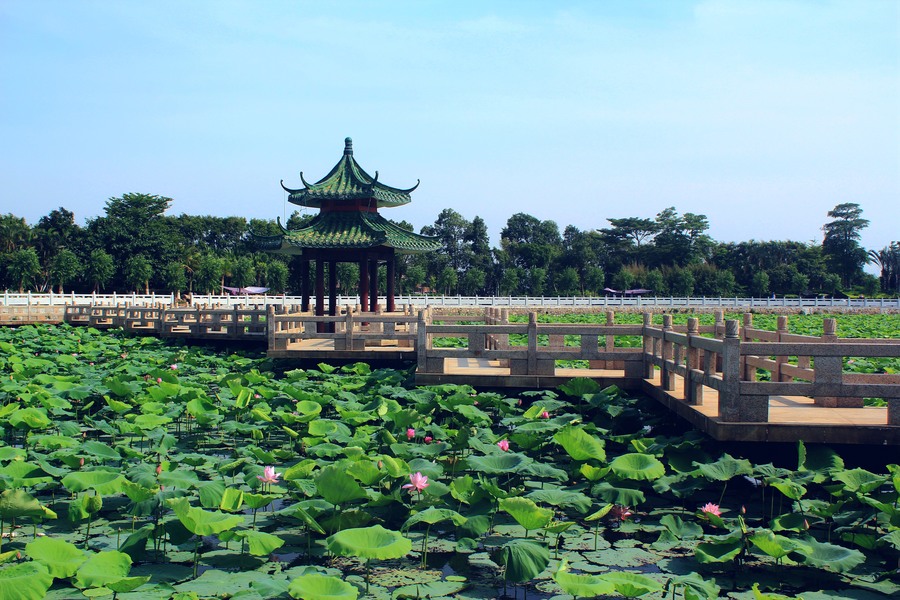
x=790, y=418
x=731, y=380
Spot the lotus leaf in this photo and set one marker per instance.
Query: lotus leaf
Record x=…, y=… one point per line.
x=679, y=528
x=103, y=568
x=494, y=464
x=580, y=386
x=260, y=543
x=369, y=542
x=829, y=556
x=103, y=482
x=637, y=466
x=25, y=581
x=563, y=498
x=337, y=486
x=202, y=522
x=791, y=489
x=22, y=474
x=18, y=503
x=725, y=468
x=32, y=418
x=580, y=445
x=776, y=546
x=859, y=480
x=60, y=557
x=524, y=559
x=721, y=550
x=631, y=585
x=321, y=587
x=182, y=478
x=431, y=589
x=432, y=515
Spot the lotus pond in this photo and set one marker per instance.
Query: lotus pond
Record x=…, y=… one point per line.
x=131, y=468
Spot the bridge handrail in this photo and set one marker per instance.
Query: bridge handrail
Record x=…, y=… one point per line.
x=8, y=298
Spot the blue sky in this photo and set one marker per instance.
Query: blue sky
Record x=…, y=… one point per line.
x=762, y=115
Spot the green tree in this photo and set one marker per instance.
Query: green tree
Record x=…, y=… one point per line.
x=623, y=280
x=15, y=234
x=138, y=272
x=276, y=276
x=567, y=282
x=208, y=276
x=447, y=281
x=843, y=253
x=64, y=268
x=473, y=281
x=656, y=283
x=888, y=260
x=681, y=282
x=24, y=268
x=243, y=272
x=760, y=285
x=100, y=269
x=594, y=280
x=134, y=224
x=174, y=277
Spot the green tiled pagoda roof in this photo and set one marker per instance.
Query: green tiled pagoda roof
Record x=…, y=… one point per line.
x=347, y=181
x=348, y=230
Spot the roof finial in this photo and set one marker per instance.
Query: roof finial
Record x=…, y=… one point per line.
x=348, y=146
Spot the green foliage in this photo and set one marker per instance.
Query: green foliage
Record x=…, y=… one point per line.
x=171, y=470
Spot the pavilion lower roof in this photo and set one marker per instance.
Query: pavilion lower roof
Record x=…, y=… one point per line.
x=348, y=230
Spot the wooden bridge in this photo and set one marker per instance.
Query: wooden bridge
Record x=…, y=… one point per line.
x=729, y=379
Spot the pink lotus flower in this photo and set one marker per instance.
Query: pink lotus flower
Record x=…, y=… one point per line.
x=503, y=445
x=428, y=439
x=711, y=509
x=269, y=475
x=410, y=433
x=174, y=367
x=256, y=396
x=545, y=415
x=159, y=380
x=417, y=482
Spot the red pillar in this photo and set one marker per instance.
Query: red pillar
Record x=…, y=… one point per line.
x=304, y=285
x=320, y=292
x=332, y=292
x=391, y=275
x=363, y=283
x=373, y=285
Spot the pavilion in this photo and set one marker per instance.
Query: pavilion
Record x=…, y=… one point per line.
x=347, y=229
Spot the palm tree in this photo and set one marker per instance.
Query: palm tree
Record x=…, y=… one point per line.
x=888, y=260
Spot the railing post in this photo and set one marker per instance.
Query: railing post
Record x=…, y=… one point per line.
x=667, y=375
x=780, y=361
x=748, y=373
x=693, y=385
x=729, y=395
x=270, y=326
x=647, y=342
x=532, y=343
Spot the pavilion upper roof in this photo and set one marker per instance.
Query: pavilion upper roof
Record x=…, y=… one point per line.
x=347, y=181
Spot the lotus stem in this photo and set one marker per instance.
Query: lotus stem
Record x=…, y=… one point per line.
x=197, y=556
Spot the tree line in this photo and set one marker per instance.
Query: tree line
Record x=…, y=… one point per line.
x=135, y=246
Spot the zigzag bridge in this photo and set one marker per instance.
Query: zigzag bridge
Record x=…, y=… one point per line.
x=731, y=380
